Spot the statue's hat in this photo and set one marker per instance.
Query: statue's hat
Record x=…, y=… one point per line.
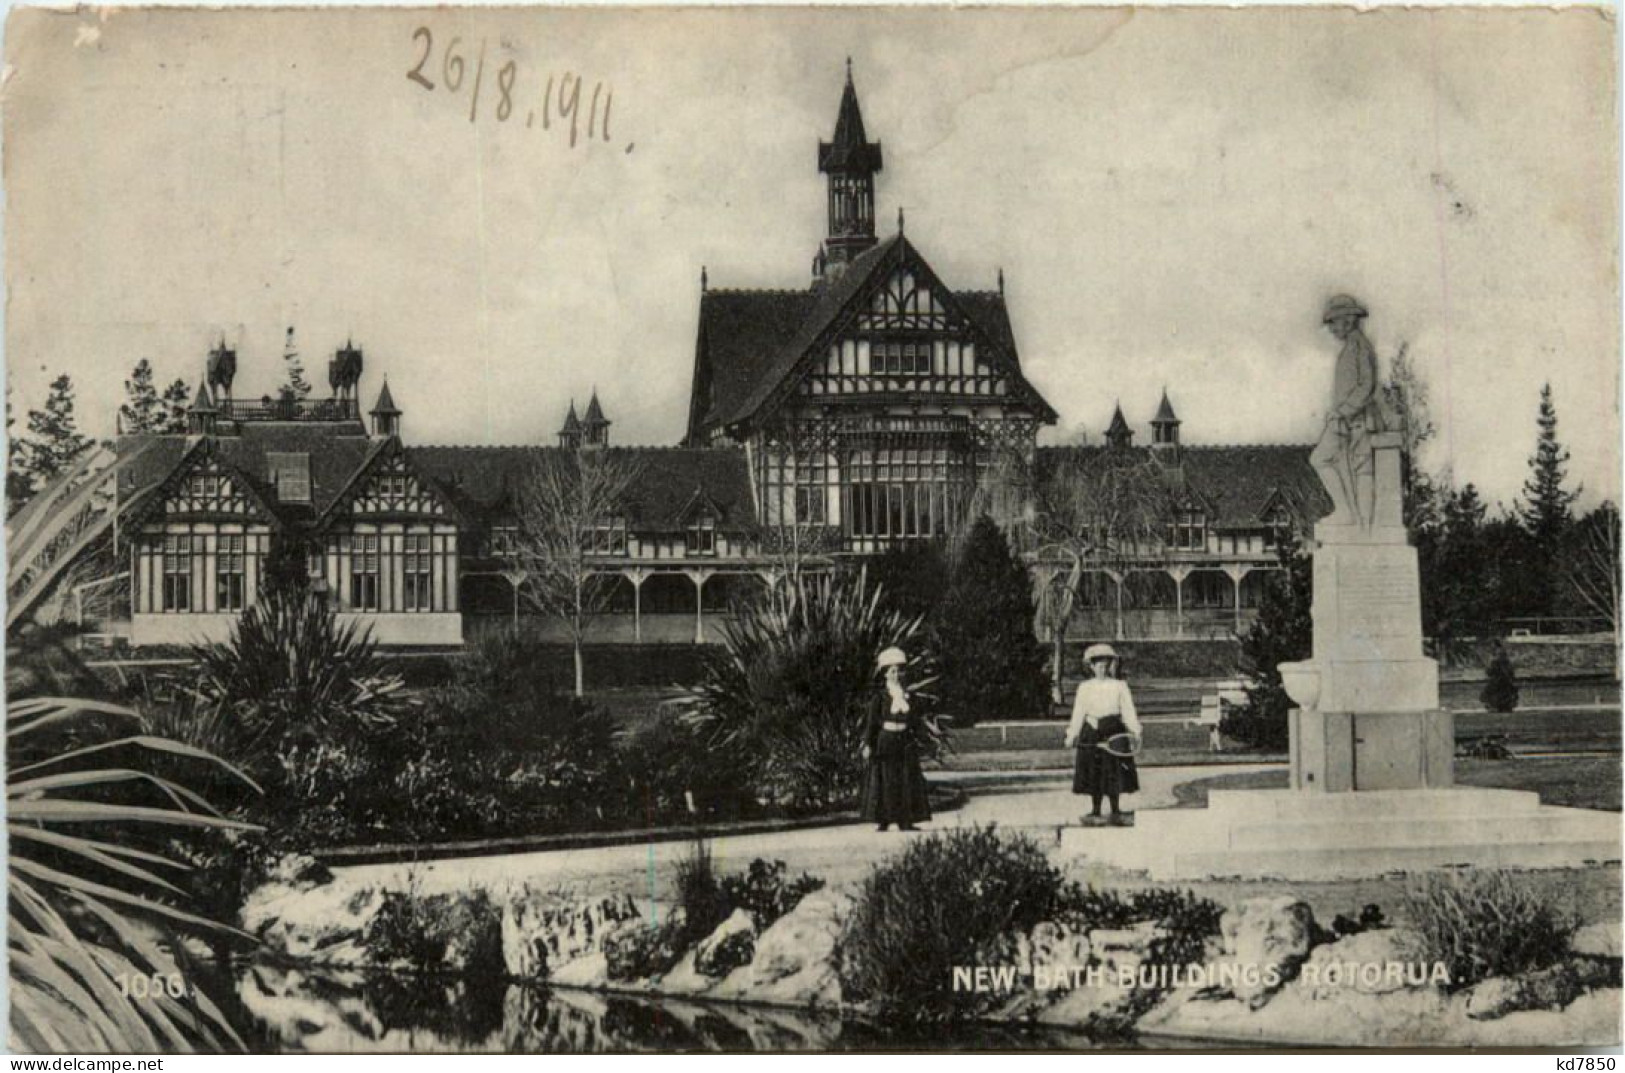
x=1342, y=305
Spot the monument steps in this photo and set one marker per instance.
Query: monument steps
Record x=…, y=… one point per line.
x=1238, y=806
x=1322, y=863
x=1363, y=834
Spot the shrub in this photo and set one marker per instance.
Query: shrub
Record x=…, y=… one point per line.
x=912, y=578
x=1487, y=923
x=1500, y=693
x=1282, y=632
x=699, y=893
x=763, y=892
x=667, y=759
x=638, y=950
x=950, y=899
x=291, y=670
x=459, y=932
x=505, y=694
x=991, y=665
x=789, y=688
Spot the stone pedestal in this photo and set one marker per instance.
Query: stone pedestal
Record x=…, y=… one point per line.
x=1370, y=717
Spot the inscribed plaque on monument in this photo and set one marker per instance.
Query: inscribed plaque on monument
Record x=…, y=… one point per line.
x=1376, y=600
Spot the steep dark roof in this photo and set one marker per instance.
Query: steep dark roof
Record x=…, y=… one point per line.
x=385, y=406
x=750, y=342
x=595, y=413
x=1119, y=425
x=1165, y=412
x=336, y=452
x=1237, y=483
x=851, y=150
x=740, y=334
x=485, y=481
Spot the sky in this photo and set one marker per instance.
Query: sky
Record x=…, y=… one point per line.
x=1171, y=195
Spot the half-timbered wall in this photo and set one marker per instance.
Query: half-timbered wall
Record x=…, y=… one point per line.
x=202, y=568
x=393, y=568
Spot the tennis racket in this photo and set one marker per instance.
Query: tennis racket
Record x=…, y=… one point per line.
x=1124, y=745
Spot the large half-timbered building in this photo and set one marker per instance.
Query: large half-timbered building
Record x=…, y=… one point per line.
x=873, y=405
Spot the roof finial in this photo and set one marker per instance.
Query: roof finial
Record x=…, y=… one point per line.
x=849, y=70
x=1001, y=279
x=899, y=219
x=705, y=280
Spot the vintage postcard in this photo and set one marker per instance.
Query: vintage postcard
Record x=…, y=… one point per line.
x=812, y=529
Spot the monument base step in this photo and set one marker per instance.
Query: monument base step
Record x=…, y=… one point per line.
x=1291, y=835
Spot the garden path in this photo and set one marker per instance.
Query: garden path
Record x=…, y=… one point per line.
x=838, y=854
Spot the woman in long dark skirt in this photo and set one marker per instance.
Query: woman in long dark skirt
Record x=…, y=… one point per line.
x=1103, y=710
x=894, y=789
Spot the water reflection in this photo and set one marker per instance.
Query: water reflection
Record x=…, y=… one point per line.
x=346, y=1012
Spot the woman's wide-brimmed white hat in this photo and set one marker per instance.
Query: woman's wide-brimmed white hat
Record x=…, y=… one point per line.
x=892, y=657
x=1094, y=652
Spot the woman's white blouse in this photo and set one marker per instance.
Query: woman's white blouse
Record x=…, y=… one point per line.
x=1098, y=698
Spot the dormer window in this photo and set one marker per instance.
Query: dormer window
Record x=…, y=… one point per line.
x=608, y=537
x=1277, y=528
x=290, y=475
x=702, y=534
x=504, y=541
x=1188, y=530
x=203, y=485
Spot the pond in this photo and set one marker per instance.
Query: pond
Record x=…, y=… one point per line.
x=297, y=1009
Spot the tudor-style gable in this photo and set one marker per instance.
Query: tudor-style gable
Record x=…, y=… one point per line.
x=388, y=488
x=205, y=488
x=890, y=327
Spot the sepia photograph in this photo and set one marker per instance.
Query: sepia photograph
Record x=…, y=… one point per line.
x=812, y=529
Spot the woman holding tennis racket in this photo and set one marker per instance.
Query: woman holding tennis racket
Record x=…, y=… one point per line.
x=1105, y=730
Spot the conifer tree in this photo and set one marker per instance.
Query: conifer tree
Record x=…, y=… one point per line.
x=1545, y=507
x=19, y=483
x=296, y=387
x=1283, y=632
x=177, y=397
x=54, y=440
x=141, y=411
x=991, y=665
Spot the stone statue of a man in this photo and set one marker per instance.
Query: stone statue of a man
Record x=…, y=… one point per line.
x=1344, y=455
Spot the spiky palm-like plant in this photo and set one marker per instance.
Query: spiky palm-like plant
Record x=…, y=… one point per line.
x=93, y=933
x=789, y=688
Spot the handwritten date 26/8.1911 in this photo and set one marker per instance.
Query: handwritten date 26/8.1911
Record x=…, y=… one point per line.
x=561, y=99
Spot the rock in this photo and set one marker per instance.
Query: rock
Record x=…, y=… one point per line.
x=1267, y=938
x=1494, y=997
x=1055, y=948
x=589, y=971
x=298, y=871
x=1550, y=988
x=638, y=950
x=1374, y=962
x=731, y=945
x=458, y=932
x=1134, y=940
x=795, y=957
x=1600, y=940
x=543, y=932
x=322, y=924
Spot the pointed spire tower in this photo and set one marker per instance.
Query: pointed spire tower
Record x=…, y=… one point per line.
x=850, y=161
x=201, y=414
x=386, y=416
x=1165, y=426
x=570, y=434
x=1118, y=434
x=595, y=426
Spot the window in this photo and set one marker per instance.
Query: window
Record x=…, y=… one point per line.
x=228, y=572
x=418, y=585
x=177, y=572
x=608, y=537
x=203, y=485
x=1188, y=531
x=809, y=505
x=702, y=535
x=392, y=486
x=901, y=492
x=1277, y=529
x=504, y=541
x=900, y=358
x=290, y=475
x=364, y=572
